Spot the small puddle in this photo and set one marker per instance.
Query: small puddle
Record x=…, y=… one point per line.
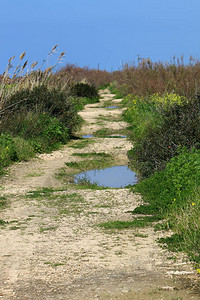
x=87, y=136
x=114, y=177
x=111, y=106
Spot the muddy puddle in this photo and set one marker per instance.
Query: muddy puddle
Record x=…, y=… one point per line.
x=87, y=136
x=114, y=177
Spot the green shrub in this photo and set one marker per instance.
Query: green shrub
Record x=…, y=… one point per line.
x=119, y=90
x=23, y=149
x=30, y=125
x=85, y=90
x=159, y=129
x=174, y=194
x=51, y=101
x=7, y=150
x=13, y=149
x=169, y=189
x=186, y=224
x=79, y=102
x=142, y=114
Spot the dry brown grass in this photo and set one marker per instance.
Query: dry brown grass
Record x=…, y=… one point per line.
x=148, y=77
x=93, y=77
x=22, y=77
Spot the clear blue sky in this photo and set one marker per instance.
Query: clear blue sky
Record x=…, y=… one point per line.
x=104, y=32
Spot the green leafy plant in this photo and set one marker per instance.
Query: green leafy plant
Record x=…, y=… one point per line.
x=23, y=149
x=159, y=127
x=7, y=151
x=174, y=195
x=85, y=90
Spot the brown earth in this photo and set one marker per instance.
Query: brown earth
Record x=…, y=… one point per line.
x=53, y=252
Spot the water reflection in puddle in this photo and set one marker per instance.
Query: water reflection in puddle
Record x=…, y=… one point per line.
x=87, y=136
x=111, y=107
x=114, y=177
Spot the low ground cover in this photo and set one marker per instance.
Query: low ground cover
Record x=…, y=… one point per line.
x=165, y=135
x=174, y=194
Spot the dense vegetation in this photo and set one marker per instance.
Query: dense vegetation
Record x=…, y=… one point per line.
x=147, y=78
x=38, y=113
x=165, y=131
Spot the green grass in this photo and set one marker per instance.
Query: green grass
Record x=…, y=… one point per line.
x=172, y=243
x=61, y=203
x=49, y=228
x=106, y=133
x=72, y=164
x=136, y=223
x=92, y=154
x=85, y=183
x=53, y=264
x=54, y=197
x=2, y=222
x=14, y=227
x=81, y=144
x=174, y=195
x=41, y=193
x=34, y=174
x=3, y=202
x=99, y=162
x=141, y=235
x=103, y=132
x=110, y=118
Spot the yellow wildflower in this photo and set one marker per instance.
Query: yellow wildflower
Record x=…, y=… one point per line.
x=193, y=203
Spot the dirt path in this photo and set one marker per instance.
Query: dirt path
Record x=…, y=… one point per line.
x=51, y=246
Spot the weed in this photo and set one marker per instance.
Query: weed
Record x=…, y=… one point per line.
x=81, y=144
x=3, y=202
x=64, y=203
x=23, y=149
x=99, y=162
x=103, y=206
x=119, y=252
x=85, y=183
x=137, y=223
x=50, y=228
x=108, y=133
x=7, y=154
x=114, y=89
x=72, y=164
x=53, y=264
x=40, y=193
x=14, y=227
x=92, y=154
x=110, y=118
x=34, y=174
x=173, y=194
x=141, y=235
x=2, y=222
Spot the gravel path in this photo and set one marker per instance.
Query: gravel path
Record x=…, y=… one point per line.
x=52, y=247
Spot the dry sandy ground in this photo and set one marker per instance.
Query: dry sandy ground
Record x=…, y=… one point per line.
x=47, y=253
